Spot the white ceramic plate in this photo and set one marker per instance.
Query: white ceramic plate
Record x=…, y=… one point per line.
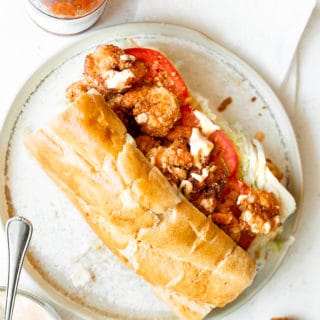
x=65, y=257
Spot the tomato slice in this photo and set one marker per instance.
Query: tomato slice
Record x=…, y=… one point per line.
x=224, y=151
x=160, y=68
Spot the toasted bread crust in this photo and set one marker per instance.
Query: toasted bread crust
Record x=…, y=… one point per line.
x=135, y=211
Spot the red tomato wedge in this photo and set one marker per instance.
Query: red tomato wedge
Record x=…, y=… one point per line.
x=161, y=68
x=224, y=151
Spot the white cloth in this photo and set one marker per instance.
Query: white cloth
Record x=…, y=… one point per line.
x=265, y=34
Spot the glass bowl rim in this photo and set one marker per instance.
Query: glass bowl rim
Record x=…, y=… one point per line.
x=36, y=299
x=65, y=18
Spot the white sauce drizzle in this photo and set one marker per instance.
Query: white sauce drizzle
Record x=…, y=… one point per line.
x=200, y=147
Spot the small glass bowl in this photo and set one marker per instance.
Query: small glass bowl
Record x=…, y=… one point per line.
x=65, y=16
x=25, y=304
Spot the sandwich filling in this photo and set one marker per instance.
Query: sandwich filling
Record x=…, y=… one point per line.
x=190, y=149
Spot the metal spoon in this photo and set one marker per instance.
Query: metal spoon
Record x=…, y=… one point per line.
x=18, y=231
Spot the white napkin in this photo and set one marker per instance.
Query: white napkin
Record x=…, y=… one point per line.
x=263, y=33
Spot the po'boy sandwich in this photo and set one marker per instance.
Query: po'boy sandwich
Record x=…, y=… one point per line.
x=163, y=185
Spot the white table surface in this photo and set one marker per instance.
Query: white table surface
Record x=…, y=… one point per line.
x=295, y=289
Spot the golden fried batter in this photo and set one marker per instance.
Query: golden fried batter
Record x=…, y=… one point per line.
x=104, y=58
x=175, y=159
x=260, y=212
x=145, y=143
x=155, y=109
x=76, y=89
x=179, y=131
x=110, y=69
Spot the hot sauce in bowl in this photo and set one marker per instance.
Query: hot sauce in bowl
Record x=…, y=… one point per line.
x=72, y=8
x=65, y=16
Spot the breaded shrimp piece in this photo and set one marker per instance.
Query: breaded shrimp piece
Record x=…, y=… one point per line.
x=176, y=154
x=110, y=69
x=179, y=131
x=174, y=159
x=76, y=89
x=260, y=211
x=155, y=109
x=145, y=143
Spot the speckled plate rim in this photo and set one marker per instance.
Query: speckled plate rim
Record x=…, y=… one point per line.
x=169, y=30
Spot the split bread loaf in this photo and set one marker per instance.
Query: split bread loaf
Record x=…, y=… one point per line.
x=191, y=263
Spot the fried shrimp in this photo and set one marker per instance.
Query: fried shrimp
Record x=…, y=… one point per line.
x=155, y=109
x=110, y=69
x=76, y=89
x=176, y=155
x=174, y=160
x=145, y=143
x=260, y=212
x=179, y=131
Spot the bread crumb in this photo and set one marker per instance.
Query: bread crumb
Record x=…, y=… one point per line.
x=224, y=104
x=259, y=136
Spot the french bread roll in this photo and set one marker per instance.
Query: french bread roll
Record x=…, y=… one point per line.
x=191, y=263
